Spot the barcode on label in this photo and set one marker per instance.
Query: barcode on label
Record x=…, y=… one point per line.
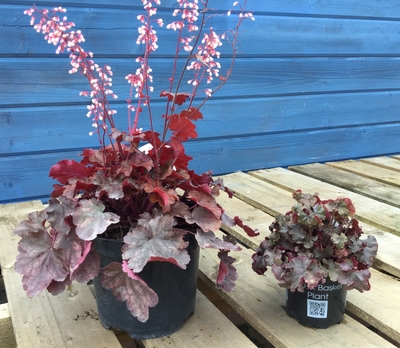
x=317, y=309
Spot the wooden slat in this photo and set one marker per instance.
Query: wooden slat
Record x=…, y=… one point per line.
x=333, y=110
x=380, y=215
x=384, y=162
x=47, y=320
x=271, y=191
x=367, y=183
x=250, y=215
x=262, y=306
x=6, y=329
x=381, y=175
x=301, y=36
x=350, y=8
x=208, y=327
x=287, y=76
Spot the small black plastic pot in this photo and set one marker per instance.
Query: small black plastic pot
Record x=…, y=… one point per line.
x=175, y=287
x=320, y=307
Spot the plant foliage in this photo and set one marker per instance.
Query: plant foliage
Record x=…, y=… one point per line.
x=315, y=240
x=146, y=196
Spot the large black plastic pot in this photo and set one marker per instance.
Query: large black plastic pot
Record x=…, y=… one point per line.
x=320, y=307
x=175, y=287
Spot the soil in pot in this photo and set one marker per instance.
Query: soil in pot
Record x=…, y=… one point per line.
x=175, y=287
x=320, y=307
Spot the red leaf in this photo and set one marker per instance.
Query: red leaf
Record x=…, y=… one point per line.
x=66, y=169
x=178, y=98
x=250, y=232
x=192, y=114
x=227, y=274
x=206, y=201
x=182, y=128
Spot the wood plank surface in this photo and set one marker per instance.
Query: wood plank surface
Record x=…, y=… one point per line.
x=368, y=180
x=378, y=214
x=208, y=327
x=262, y=305
x=284, y=182
x=385, y=162
x=388, y=177
x=383, y=287
x=47, y=320
x=6, y=329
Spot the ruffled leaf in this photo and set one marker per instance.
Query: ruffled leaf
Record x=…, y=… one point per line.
x=34, y=223
x=129, y=287
x=209, y=240
x=90, y=219
x=112, y=186
x=356, y=280
x=57, y=211
x=227, y=274
x=205, y=219
x=39, y=262
x=155, y=239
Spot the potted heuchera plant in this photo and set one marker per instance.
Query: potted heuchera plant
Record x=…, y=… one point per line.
x=131, y=217
x=316, y=252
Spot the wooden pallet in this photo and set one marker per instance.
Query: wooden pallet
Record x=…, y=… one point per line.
x=253, y=315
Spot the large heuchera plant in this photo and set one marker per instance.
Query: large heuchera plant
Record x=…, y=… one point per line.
x=315, y=240
x=122, y=191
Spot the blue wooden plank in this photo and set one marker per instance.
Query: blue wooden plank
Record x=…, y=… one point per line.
x=46, y=81
x=271, y=34
x=26, y=176
x=53, y=128
x=355, y=8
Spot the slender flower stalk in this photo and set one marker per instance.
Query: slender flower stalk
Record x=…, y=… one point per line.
x=147, y=197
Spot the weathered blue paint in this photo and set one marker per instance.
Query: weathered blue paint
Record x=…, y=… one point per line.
x=314, y=81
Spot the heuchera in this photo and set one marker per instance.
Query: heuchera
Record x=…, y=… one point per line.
x=121, y=190
x=315, y=240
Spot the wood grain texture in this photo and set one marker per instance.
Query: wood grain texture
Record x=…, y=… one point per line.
x=200, y=330
x=271, y=191
x=262, y=305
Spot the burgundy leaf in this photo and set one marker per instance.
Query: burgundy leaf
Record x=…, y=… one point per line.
x=209, y=240
x=34, y=223
x=250, y=232
x=39, y=262
x=110, y=185
x=227, y=274
x=90, y=219
x=57, y=211
x=128, y=286
x=370, y=250
x=56, y=288
x=182, y=128
x=66, y=169
x=205, y=219
x=155, y=239
x=356, y=280
x=88, y=268
x=192, y=114
x=178, y=98
x=206, y=201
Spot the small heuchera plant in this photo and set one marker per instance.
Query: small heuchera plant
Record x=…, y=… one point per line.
x=121, y=191
x=315, y=240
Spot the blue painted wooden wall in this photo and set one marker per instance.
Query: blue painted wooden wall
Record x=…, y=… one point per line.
x=316, y=80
